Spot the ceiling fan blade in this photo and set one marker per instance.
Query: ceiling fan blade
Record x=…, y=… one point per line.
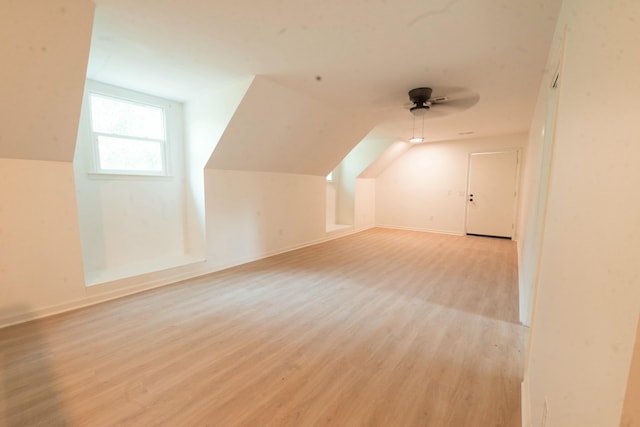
x=445, y=100
x=456, y=105
x=437, y=99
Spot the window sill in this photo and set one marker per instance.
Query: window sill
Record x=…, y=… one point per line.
x=332, y=228
x=111, y=274
x=128, y=176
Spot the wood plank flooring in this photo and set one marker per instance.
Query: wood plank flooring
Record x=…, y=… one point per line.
x=381, y=328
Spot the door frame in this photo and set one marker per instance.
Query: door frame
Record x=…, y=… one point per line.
x=516, y=198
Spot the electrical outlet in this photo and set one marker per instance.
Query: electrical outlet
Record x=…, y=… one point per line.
x=545, y=413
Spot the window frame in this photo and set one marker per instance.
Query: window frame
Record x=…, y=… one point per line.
x=134, y=98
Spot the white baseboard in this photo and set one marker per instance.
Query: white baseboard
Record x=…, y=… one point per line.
x=332, y=235
x=424, y=230
x=336, y=228
x=525, y=404
x=96, y=294
x=115, y=289
x=138, y=270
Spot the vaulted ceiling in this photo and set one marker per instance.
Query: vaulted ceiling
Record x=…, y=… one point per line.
x=356, y=56
x=277, y=129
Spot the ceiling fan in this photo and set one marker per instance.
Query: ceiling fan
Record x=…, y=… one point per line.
x=422, y=101
x=448, y=100
x=425, y=103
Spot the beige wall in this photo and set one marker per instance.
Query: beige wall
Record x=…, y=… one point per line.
x=250, y=215
x=331, y=204
x=354, y=163
x=45, y=46
x=535, y=181
x=425, y=188
x=365, y=204
x=588, y=295
x=205, y=119
x=631, y=409
x=41, y=261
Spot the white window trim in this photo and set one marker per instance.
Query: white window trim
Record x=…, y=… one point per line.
x=136, y=98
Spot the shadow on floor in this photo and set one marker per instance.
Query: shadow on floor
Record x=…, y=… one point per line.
x=28, y=392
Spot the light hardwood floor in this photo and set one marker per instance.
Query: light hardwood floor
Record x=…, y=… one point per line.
x=381, y=328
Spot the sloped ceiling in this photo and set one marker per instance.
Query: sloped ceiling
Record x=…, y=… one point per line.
x=356, y=55
x=278, y=129
x=44, y=48
x=388, y=156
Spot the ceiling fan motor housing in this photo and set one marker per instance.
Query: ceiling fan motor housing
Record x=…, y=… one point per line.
x=420, y=97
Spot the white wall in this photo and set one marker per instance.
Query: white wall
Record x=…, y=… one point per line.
x=130, y=224
x=41, y=262
x=254, y=214
x=425, y=189
x=365, y=204
x=45, y=47
x=331, y=203
x=354, y=163
x=205, y=118
x=535, y=180
x=588, y=295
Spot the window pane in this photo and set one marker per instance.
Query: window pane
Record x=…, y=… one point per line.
x=129, y=154
x=110, y=115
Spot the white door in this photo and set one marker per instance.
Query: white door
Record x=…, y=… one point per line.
x=491, y=194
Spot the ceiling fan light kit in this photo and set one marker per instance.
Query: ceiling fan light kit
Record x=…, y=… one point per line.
x=417, y=139
x=422, y=103
x=420, y=98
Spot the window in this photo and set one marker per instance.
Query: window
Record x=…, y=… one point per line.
x=330, y=177
x=128, y=137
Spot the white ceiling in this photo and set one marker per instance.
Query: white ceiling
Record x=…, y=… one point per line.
x=357, y=54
